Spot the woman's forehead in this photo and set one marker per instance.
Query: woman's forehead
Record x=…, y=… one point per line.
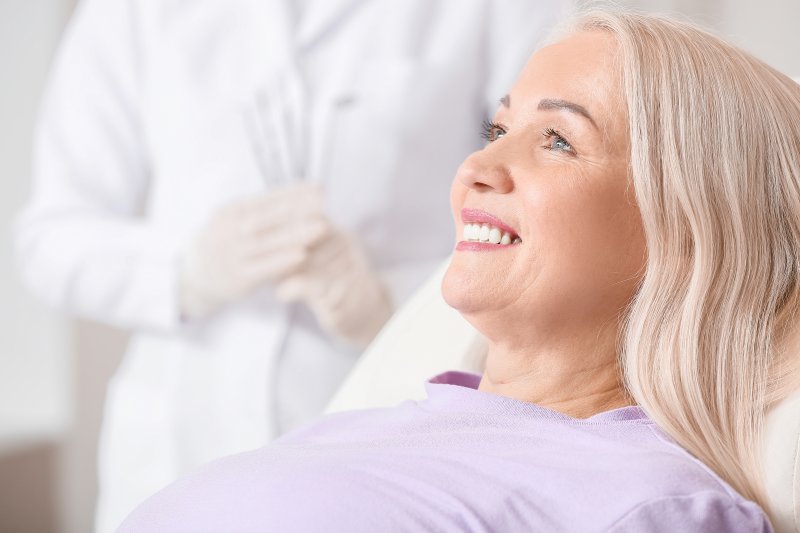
x=579, y=70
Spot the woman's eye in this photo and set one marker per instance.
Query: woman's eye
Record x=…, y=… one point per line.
x=491, y=131
x=557, y=142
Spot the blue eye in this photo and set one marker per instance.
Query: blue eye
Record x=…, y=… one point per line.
x=491, y=131
x=557, y=142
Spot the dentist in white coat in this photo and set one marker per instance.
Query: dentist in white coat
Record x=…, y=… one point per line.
x=250, y=186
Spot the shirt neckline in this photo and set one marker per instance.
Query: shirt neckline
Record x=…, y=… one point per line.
x=457, y=391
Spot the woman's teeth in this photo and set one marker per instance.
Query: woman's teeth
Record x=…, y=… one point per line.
x=488, y=233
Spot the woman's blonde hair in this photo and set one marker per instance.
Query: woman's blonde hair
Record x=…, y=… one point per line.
x=715, y=164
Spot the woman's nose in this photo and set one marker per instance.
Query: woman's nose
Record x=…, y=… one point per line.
x=483, y=174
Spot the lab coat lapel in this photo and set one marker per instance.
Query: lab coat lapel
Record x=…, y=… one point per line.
x=322, y=16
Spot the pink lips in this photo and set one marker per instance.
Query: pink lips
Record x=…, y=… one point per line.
x=471, y=216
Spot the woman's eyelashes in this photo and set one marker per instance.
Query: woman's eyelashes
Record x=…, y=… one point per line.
x=491, y=131
x=555, y=141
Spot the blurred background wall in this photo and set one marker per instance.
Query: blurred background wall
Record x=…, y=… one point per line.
x=36, y=358
x=53, y=369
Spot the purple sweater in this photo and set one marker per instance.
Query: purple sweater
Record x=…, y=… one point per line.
x=462, y=460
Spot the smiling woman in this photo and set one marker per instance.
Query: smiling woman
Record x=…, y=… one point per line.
x=630, y=249
x=561, y=181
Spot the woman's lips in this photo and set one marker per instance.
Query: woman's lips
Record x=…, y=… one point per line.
x=483, y=232
x=474, y=246
x=476, y=216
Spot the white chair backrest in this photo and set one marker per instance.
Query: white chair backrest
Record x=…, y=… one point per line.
x=423, y=338
x=426, y=337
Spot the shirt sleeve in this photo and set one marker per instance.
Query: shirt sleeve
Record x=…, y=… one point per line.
x=82, y=243
x=703, y=512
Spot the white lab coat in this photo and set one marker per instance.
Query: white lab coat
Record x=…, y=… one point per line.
x=143, y=134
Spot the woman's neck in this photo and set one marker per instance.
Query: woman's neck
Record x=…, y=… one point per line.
x=575, y=384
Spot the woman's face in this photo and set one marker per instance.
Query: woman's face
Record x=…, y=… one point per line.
x=554, y=177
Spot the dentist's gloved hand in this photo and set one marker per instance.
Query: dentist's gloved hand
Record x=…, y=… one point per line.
x=247, y=245
x=341, y=288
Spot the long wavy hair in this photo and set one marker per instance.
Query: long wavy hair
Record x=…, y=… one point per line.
x=709, y=338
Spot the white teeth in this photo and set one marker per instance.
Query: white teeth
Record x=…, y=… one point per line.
x=476, y=232
x=484, y=235
x=489, y=234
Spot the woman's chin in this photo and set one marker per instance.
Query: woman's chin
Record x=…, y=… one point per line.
x=458, y=290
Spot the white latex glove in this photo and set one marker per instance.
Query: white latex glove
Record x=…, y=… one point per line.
x=341, y=288
x=249, y=244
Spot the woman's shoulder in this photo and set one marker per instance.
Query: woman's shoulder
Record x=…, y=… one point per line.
x=678, y=492
x=708, y=510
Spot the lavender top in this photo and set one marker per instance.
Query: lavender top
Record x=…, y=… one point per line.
x=462, y=460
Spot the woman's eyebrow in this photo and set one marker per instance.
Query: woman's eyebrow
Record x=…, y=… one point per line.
x=550, y=104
